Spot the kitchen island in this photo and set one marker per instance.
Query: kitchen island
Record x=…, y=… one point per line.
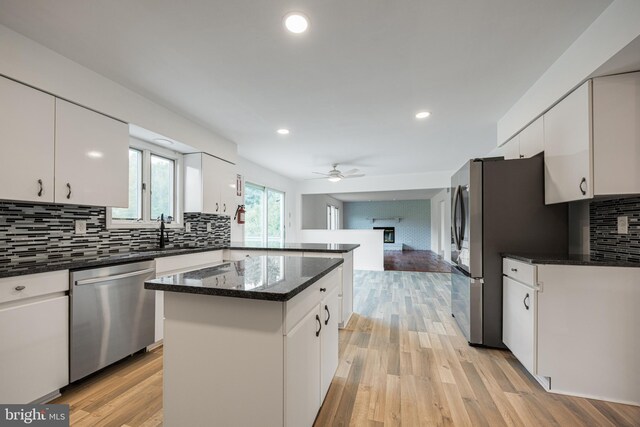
x=250, y=342
x=241, y=250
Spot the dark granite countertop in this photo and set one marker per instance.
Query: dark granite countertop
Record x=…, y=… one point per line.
x=272, y=278
x=70, y=261
x=298, y=247
x=570, y=260
x=79, y=261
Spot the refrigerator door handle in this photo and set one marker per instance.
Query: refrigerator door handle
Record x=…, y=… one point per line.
x=456, y=236
x=463, y=219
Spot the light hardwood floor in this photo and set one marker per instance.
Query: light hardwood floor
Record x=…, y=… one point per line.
x=403, y=362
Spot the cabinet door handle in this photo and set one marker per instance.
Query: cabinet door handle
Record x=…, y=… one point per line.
x=326, y=307
x=69, y=188
x=224, y=207
x=319, y=325
x=323, y=289
x=20, y=288
x=41, y=188
x=583, y=182
x=515, y=270
x=524, y=301
x=217, y=206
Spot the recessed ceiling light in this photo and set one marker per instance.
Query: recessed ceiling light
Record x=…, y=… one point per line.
x=296, y=22
x=423, y=115
x=283, y=131
x=95, y=154
x=163, y=141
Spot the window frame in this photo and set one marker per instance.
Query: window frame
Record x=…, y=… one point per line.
x=146, y=221
x=333, y=217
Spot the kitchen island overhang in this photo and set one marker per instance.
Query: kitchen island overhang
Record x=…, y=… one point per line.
x=264, y=335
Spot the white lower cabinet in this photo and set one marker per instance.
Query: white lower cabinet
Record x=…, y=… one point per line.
x=34, y=332
x=519, y=321
x=575, y=328
x=330, y=309
x=302, y=371
x=311, y=360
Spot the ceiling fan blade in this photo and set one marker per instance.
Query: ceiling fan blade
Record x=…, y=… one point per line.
x=320, y=177
x=354, y=176
x=320, y=173
x=351, y=172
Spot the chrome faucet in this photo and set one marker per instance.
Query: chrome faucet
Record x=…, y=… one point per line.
x=164, y=233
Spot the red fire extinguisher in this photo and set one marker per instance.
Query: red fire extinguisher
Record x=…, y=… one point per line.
x=240, y=214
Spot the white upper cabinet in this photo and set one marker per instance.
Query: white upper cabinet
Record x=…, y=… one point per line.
x=616, y=134
x=26, y=137
x=208, y=185
x=91, y=157
x=527, y=143
x=532, y=139
x=568, y=148
x=511, y=150
x=592, y=141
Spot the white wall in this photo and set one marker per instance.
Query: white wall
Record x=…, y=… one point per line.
x=31, y=63
x=370, y=254
x=443, y=196
x=260, y=175
x=314, y=211
x=614, y=29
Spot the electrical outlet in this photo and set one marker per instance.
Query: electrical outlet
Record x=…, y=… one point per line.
x=187, y=227
x=623, y=225
x=208, y=227
x=81, y=226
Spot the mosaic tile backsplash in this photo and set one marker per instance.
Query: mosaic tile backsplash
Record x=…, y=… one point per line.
x=604, y=239
x=31, y=233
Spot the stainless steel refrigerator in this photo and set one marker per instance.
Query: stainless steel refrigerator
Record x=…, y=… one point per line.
x=497, y=206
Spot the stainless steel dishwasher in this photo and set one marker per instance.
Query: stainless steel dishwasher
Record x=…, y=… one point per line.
x=112, y=315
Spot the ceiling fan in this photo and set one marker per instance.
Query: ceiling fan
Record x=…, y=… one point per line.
x=335, y=175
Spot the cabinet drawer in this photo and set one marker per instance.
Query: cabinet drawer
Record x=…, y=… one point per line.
x=521, y=271
x=519, y=312
x=33, y=285
x=174, y=264
x=297, y=307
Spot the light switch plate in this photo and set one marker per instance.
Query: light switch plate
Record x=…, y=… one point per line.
x=623, y=225
x=208, y=227
x=187, y=227
x=81, y=226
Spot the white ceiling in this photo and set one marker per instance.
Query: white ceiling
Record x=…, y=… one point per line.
x=348, y=89
x=375, y=196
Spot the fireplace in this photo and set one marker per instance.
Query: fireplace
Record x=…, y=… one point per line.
x=389, y=234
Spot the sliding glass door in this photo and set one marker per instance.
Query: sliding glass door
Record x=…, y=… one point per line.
x=265, y=215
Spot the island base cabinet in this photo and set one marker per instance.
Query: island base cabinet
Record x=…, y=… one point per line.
x=247, y=362
x=35, y=353
x=302, y=384
x=223, y=361
x=329, y=308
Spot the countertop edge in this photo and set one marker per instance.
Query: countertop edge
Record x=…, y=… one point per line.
x=232, y=293
x=256, y=248
x=561, y=260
